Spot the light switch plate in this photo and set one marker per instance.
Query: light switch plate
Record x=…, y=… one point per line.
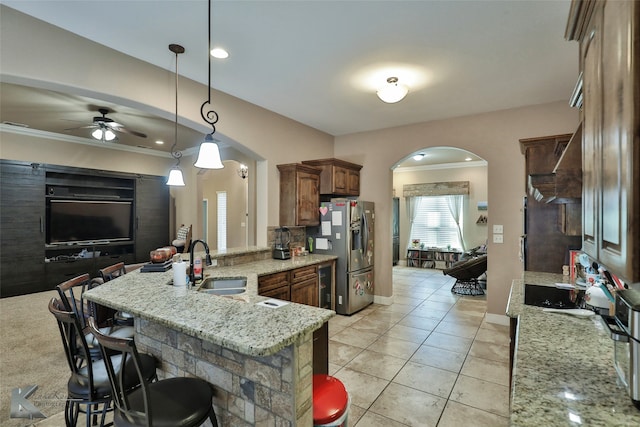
x=497, y=229
x=498, y=238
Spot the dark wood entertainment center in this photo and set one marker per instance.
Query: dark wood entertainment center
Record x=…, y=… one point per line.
x=28, y=264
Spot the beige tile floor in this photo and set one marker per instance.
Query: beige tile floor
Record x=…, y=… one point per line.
x=429, y=359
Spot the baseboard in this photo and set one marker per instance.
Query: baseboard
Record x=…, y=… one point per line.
x=378, y=299
x=499, y=319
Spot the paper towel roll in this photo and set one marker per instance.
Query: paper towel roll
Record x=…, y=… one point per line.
x=179, y=273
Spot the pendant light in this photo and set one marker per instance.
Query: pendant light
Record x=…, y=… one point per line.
x=393, y=91
x=175, y=175
x=209, y=154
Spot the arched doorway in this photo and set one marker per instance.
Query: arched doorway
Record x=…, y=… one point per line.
x=225, y=206
x=443, y=165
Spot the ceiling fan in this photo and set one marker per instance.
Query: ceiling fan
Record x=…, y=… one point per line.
x=105, y=129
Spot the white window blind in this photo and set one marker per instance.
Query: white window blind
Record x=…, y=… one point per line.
x=222, y=220
x=433, y=224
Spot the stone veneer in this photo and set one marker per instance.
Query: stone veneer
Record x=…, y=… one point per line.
x=272, y=390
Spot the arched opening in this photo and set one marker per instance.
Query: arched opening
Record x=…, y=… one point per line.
x=436, y=172
x=225, y=217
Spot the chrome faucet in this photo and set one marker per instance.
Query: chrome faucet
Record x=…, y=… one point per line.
x=192, y=276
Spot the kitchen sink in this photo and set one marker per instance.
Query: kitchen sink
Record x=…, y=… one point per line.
x=223, y=285
x=552, y=297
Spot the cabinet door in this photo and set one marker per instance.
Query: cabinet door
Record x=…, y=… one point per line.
x=591, y=51
x=305, y=292
x=618, y=243
x=353, y=182
x=308, y=199
x=22, y=221
x=340, y=180
x=152, y=216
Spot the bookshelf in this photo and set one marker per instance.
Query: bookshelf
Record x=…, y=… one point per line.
x=432, y=258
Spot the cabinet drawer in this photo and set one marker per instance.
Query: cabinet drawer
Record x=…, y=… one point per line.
x=273, y=281
x=304, y=273
x=282, y=293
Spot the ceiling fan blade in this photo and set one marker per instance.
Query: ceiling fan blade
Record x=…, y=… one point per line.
x=131, y=132
x=82, y=127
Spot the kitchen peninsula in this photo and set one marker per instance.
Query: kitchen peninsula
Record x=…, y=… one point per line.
x=259, y=359
x=563, y=372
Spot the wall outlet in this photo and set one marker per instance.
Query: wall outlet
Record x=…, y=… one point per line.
x=498, y=238
x=497, y=229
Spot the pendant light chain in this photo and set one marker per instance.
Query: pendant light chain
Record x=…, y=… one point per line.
x=175, y=175
x=209, y=153
x=177, y=154
x=206, y=111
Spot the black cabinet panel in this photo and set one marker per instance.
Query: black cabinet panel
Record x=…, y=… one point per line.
x=22, y=215
x=152, y=216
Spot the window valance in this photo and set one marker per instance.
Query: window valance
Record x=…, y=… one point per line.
x=452, y=188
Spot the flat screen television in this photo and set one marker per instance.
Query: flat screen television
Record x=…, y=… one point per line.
x=85, y=221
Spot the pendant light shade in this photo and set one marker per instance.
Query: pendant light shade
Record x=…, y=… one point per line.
x=393, y=91
x=209, y=155
x=175, y=178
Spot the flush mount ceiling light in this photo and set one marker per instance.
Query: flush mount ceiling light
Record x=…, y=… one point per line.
x=392, y=91
x=209, y=154
x=418, y=157
x=220, y=53
x=175, y=175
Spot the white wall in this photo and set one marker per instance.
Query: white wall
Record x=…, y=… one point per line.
x=474, y=234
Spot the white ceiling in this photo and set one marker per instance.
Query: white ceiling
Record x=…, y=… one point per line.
x=320, y=62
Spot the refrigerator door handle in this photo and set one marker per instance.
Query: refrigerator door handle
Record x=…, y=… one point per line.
x=365, y=233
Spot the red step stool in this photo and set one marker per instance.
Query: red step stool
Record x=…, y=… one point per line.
x=330, y=402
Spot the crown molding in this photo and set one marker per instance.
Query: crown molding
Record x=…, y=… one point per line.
x=458, y=165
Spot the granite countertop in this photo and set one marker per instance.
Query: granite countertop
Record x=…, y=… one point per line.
x=234, y=322
x=563, y=372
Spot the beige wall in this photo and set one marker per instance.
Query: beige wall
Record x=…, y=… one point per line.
x=474, y=234
x=89, y=69
x=236, y=188
x=494, y=137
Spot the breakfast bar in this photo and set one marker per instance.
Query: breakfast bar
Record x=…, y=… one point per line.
x=258, y=357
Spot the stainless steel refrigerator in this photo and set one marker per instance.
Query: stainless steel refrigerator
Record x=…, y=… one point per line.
x=347, y=231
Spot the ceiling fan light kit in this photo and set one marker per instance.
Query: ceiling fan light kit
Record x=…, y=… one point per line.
x=392, y=91
x=103, y=134
x=175, y=175
x=209, y=154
